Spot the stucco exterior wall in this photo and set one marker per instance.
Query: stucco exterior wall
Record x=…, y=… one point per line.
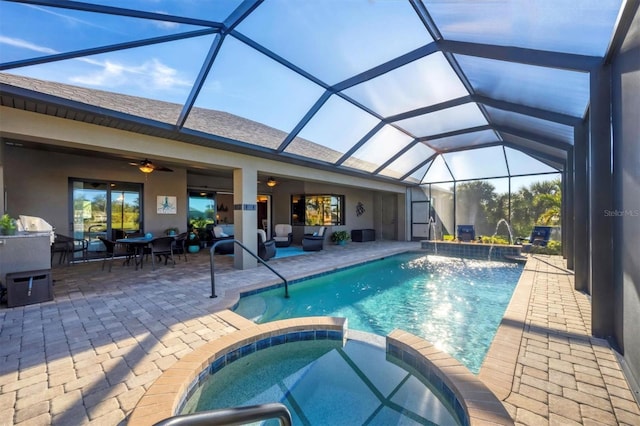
x=38, y=185
x=37, y=181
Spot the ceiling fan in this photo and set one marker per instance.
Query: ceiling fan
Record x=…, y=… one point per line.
x=147, y=166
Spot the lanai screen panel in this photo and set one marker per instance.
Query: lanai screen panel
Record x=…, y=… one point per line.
x=438, y=172
x=408, y=162
x=546, y=128
x=470, y=139
x=284, y=56
x=477, y=163
x=245, y=83
x=581, y=27
x=445, y=120
x=66, y=30
x=336, y=40
x=552, y=89
x=143, y=81
x=334, y=129
x=424, y=82
x=386, y=143
x=213, y=10
x=522, y=164
x=418, y=175
x=554, y=154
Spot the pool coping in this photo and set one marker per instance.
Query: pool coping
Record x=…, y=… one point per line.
x=462, y=388
x=498, y=369
x=480, y=404
x=164, y=396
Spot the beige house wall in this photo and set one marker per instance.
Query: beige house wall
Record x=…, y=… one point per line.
x=38, y=185
x=37, y=181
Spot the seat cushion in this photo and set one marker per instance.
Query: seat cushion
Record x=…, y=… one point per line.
x=217, y=232
x=283, y=230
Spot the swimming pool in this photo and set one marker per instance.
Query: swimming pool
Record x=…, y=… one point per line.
x=456, y=304
x=324, y=382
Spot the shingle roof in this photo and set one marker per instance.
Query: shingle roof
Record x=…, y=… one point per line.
x=208, y=122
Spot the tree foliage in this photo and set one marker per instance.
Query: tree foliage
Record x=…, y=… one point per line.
x=478, y=204
x=539, y=204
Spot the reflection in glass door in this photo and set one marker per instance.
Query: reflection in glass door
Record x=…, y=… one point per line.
x=125, y=210
x=106, y=209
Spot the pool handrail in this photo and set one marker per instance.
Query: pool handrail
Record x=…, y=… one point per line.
x=212, y=263
x=232, y=416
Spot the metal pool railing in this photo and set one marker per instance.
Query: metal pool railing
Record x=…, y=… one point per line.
x=232, y=416
x=212, y=263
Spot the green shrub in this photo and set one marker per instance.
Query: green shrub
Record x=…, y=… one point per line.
x=495, y=240
x=339, y=236
x=552, y=247
x=7, y=225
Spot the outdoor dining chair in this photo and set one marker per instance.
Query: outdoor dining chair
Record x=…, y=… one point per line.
x=113, y=250
x=162, y=247
x=67, y=247
x=180, y=245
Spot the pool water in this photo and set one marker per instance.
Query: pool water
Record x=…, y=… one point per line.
x=456, y=304
x=324, y=383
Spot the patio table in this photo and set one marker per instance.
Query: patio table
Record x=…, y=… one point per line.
x=137, y=244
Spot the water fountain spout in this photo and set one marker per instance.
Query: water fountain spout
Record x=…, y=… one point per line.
x=496, y=233
x=432, y=225
x=508, y=229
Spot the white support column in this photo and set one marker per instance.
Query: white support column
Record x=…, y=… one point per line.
x=245, y=216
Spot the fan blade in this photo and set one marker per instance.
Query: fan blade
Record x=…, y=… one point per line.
x=161, y=169
x=147, y=163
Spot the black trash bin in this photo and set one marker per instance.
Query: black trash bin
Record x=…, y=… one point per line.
x=29, y=287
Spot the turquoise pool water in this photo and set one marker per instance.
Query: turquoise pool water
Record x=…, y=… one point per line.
x=324, y=383
x=456, y=304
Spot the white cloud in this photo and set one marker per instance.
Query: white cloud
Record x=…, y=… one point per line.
x=23, y=44
x=69, y=20
x=165, y=25
x=150, y=75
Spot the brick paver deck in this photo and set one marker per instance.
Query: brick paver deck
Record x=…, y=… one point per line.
x=88, y=356
x=544, y=364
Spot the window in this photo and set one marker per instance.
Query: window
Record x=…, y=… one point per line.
x=313, y=210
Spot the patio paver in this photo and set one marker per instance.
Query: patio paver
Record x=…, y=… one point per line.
x=88, y=356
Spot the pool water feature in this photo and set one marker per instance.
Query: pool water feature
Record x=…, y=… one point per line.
x=456, y=304
x=323, y=382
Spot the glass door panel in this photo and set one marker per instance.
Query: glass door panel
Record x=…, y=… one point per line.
x=90, y=213
x=125, y=210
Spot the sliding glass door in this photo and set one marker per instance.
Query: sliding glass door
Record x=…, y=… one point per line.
x=107, y=209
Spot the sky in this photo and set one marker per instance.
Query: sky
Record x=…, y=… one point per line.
x=327, y=48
